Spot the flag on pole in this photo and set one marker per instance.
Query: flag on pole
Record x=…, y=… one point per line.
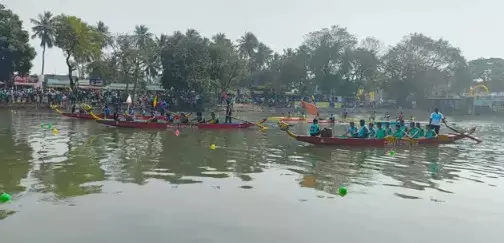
x=310, y=108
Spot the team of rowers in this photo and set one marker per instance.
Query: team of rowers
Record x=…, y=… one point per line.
x=401, y=130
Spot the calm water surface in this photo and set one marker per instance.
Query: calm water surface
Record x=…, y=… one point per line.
x=92, y=183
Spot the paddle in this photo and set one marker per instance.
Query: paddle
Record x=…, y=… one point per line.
x=463, y=134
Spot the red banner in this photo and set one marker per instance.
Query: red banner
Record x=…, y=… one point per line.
x=19, y=79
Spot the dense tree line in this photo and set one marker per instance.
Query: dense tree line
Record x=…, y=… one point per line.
x=331, y=61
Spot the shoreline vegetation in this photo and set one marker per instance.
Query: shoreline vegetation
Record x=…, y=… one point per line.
x=330, y=61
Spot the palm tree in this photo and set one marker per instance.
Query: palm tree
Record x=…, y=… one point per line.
x=263, y=56
x=104, y=31
x=162, y=41
x=44, y=30
x=221, y=40
x=247, y=45
x=142, y=36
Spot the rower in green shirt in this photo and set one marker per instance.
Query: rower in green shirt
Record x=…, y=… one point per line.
x=388, y=129
x=399, y=133
x=315, y=128
x=403, y=126
x=430, y=133
x=421, y=131
x=413, y=131
x=372, y=130
x=380, y=132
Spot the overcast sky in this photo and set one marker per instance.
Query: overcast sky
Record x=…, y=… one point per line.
x=471, y=25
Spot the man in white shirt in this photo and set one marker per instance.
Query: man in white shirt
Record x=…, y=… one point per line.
x=435, y=120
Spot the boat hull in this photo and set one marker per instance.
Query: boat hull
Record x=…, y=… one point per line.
x=335, y=141
x=158, y=125
x=88, y=116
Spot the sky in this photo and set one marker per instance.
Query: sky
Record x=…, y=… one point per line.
x=472, y=26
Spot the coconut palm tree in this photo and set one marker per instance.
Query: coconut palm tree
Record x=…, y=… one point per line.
x=247, y=45
x=263, y=56
x=142, y=36
x=104, y=31
x=44, y=30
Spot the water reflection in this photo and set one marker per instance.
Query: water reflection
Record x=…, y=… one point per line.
x=85, y=154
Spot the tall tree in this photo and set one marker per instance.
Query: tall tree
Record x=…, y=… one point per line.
x=420, y=65
x=262, y=57
x=15, y=52
x=80, y=42
x=329, y=62
x=247, y=45
x=142, y=36
x=226, y=66
x=102, y=29
x=186, y=63
x=44, y=30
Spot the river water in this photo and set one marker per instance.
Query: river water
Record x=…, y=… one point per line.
x=91, y=183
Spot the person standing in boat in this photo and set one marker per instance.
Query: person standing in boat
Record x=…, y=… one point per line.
x=116, y=115
x=373, y=116
x=106, y=111
x=332, y=119
x=435, y=120
x=401, y=117
x=387, y=116
x=345, y=113
x=229, y=110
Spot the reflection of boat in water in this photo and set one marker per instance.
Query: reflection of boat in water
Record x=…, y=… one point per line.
x=346, y=141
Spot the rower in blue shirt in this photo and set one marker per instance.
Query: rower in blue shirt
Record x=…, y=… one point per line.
x=363, y=130
x=352, y=131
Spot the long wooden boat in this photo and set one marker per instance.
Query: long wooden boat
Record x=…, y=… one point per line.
x=88, y=116
x=345, y=141
x=164, y=125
